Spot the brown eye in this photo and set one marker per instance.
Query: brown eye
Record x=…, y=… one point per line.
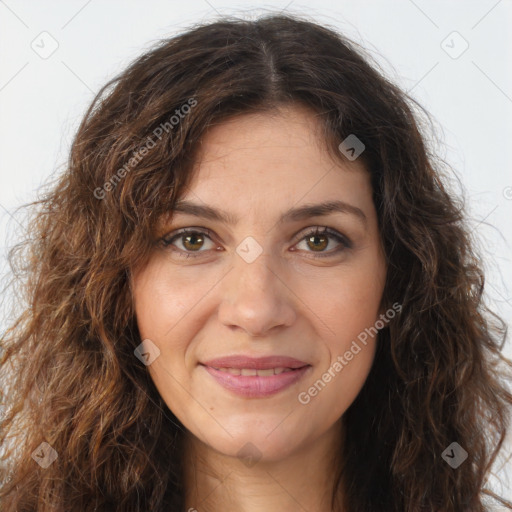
x=191, y=240
x=319, y=242
x=319, y=239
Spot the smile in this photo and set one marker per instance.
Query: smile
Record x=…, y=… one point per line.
x=254, y=383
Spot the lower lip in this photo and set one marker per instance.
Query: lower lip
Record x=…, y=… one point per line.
x=254, y=386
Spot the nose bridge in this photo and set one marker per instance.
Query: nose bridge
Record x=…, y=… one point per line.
x=253, y=297
x=256, y=275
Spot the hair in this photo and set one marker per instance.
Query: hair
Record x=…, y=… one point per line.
x=438, y=376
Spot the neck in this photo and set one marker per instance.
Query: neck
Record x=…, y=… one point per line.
x=304, y=480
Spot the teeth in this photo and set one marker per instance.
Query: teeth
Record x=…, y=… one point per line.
x=253, y=372
x=233, y=371
x=265, y=373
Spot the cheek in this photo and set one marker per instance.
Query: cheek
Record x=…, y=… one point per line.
x=347, y=301
x=168, y=307
x=350, y=345
x=348, y=307
x=163, y=299
x=332, y=392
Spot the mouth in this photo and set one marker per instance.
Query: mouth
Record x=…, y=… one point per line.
x=256, y=377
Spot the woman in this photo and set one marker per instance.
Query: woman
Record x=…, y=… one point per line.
x=250, y=290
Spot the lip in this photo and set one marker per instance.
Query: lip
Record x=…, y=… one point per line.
x=255, y=386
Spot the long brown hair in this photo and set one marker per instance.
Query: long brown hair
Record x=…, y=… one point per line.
x=74, y=381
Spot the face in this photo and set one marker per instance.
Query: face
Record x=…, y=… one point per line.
x=284, y=307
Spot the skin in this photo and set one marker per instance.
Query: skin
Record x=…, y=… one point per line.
x=289, y=301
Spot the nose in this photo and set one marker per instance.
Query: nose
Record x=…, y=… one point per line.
x=255, y=298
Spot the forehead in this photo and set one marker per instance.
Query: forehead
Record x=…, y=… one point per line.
x=254, y=156
x=288, y=133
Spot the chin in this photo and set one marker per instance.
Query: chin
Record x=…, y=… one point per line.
x=260, y=442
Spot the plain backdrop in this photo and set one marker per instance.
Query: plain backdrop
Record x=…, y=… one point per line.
x=453, y=57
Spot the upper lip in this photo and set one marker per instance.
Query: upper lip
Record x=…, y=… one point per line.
x=257, y=363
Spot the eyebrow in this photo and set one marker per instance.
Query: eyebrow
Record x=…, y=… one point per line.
x=293, y=214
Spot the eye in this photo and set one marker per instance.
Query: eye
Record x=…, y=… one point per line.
x=192, y=240
x=318, y=240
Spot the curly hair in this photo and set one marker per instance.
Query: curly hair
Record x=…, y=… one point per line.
x=73, y=383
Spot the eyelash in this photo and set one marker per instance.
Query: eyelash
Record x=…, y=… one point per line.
x=343, y=240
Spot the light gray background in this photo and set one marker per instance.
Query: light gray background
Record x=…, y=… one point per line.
x=469, y=94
